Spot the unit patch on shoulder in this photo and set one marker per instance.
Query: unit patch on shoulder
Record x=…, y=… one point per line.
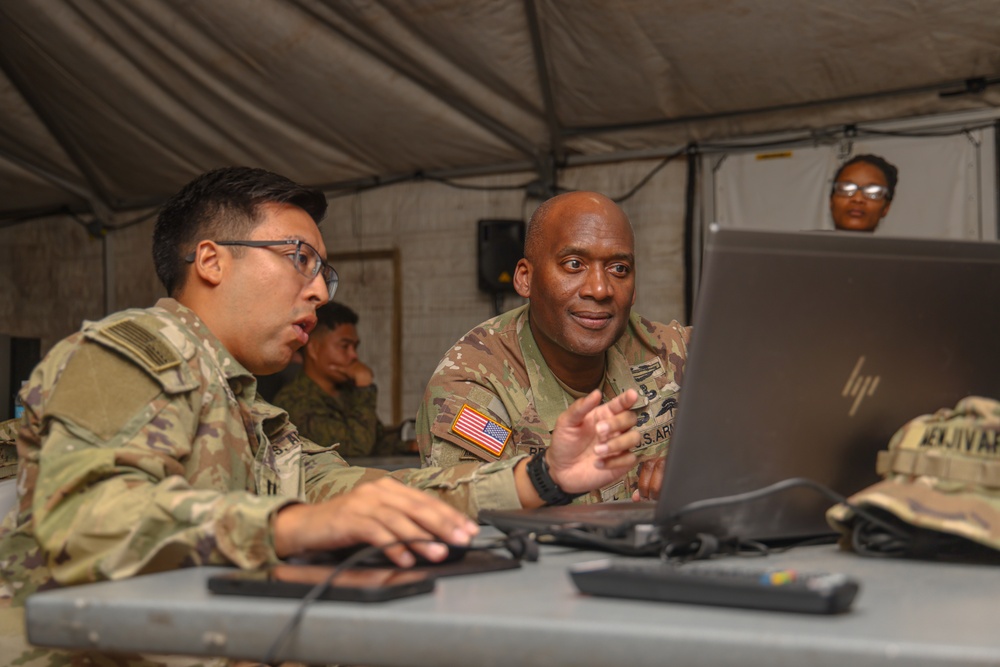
x=155, y=353
x=480, y=430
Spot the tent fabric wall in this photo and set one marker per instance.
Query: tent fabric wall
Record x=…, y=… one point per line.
x=938, y=195
x=111, y=105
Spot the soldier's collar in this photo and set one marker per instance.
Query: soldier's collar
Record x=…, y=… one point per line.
x=226, y=363
x=548, y=394
x=621, y=376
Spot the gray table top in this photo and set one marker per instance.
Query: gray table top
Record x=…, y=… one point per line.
x=907, y=613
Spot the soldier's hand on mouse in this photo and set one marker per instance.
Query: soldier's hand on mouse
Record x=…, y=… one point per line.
x=380, y=513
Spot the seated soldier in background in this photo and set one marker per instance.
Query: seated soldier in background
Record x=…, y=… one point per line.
x=333, y=398
x=145, y=448
x=513, y=375
x=862, y=193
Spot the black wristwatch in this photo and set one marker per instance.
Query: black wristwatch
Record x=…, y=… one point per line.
x=548, y=490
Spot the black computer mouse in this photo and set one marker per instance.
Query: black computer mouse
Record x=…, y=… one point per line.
x=456, y=553
x=377, y=558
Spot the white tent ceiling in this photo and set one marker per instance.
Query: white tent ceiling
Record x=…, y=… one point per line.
x=111, y=105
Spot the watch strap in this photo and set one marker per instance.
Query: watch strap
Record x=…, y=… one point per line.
x=545, y=486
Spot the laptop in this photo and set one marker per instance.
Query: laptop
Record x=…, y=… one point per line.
x=809, y=351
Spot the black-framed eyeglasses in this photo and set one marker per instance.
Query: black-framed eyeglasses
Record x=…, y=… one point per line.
x=873, y=191
x=306, y=259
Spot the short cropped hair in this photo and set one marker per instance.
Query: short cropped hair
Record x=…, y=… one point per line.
x=332, y=314
x=888, y=170
x=533, y=232
x=223, y=204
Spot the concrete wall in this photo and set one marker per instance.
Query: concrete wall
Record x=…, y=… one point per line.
x=50, y=279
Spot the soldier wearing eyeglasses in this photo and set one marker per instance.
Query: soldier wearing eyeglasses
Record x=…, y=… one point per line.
x=862, y=193
x=144, y=445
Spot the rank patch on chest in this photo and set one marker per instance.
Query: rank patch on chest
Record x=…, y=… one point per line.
x=480, y=430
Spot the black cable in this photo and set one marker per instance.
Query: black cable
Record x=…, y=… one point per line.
x=924, y=133
x=706, y=545
x=814, y=137
x=663, y=163
x=868, y=541
x=806, y=137
x=784, y=485
x=576, y=535
x=314, y=593
x=487, y=188
x=519, y=543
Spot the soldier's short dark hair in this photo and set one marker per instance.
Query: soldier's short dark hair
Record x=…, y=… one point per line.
x=888, y=170
x=332, y=314
x=223, y=204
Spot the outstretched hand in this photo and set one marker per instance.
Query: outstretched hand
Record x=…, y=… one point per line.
x=379, y=512
x=592, y=442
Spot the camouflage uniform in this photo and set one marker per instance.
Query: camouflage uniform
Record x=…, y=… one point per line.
x=145, y=448
x=348, y=418
x=498, y=371
x=8, y=450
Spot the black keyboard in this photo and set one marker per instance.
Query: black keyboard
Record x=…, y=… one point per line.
x=726, y=585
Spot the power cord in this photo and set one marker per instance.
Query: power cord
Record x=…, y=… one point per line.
x=315, y=593
x=520, y=544
x=896, y=538
x=704, y=545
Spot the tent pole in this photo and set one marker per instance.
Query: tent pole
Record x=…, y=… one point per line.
x=107, y=248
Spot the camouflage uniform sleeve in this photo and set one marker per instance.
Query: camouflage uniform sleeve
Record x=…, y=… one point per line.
x=481, y=382
x=469, y=487
x=111, y=498
x=324, y=471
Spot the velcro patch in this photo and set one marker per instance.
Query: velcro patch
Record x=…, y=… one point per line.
x=480, y=430
x=101, y=391
x=149, y=348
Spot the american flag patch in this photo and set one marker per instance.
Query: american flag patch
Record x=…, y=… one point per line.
x=480, y=430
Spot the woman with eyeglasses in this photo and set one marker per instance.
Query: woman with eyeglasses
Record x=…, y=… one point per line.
x=862, y=192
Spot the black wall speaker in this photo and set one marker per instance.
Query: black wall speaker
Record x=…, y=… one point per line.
x=501, y=245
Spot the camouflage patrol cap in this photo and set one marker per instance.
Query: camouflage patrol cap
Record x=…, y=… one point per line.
x=941, y=475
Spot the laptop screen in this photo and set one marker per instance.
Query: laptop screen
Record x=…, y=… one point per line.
x=809, y=351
